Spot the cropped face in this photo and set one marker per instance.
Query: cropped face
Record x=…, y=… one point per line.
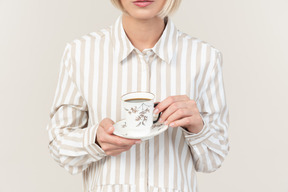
x=143, y=9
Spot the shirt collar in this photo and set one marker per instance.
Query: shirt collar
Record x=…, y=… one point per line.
x=164, y=48
x=167, y=44
x=122, y=45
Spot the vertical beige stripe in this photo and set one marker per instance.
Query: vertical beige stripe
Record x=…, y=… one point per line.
x=210, y=95
x=165, y=41
x=146, y=164
x=193, y=69
x=99, y=62
x=108, y=172
x=82, y=64
x=188, y=68
x=100, y=79
x=137, y=168
x=189, y=176
x=186, y=165
x=178, y=68
x=173, y=139
x=180, y=148
x=156, y=139
x=127, y=167
x=90, y=81
x=57, y=98
x=129, y=72
x=158, y=79
x=118, y=174
x=68, y=86
x=119, y=52
x=168, y=150
x=139, y=73
x=156, y=162
x=167, y=163
x=198, y=66
x=109, y=62
x=205, y=51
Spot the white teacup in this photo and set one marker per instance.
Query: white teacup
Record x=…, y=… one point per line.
x=138, y=107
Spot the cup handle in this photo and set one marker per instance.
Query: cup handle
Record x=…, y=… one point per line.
x=155, y=104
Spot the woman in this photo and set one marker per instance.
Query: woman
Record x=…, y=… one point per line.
x=142, y=51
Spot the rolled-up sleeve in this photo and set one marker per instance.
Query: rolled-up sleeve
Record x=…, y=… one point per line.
x=71, y=141
x=210, y=146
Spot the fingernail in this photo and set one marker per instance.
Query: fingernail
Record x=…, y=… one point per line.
x=161, y=120
x=155, y=111
x=172, y=124
x=166, y=122
x=137, y=142
x=110, y=129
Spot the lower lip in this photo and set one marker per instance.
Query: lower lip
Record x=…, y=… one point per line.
x=142, y=3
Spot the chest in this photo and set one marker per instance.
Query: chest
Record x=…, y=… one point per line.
x=109, y=80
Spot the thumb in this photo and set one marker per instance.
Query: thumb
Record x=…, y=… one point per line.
x=107, y=124
x=110, y=129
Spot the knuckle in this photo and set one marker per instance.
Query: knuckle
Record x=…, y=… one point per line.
x=100, y=139
x=120, y=142
x=171, y=99
x=181, y=112
x=108, y=153
x=104, y=147
x=175, y=106
x=104, y=120
x=193, y=102
x=198, y=118
x=131, y=143
x=163, y=116
x=128, y=147
x=188, y=121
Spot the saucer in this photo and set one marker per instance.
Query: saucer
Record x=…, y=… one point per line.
x=120, y=130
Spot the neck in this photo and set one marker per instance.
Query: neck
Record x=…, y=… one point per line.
x=143, y=34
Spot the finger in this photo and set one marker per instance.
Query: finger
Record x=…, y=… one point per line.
x=120, y=141
x=107, y=124
x=110, y=130
x=168, y=101
x=188, y=121
x=172, y=109
x=182, y=122
x=111, y=147
x=116, y=152
x=193, y=105
x=179, y=114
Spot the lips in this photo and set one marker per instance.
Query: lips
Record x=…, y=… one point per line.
x=142, y=3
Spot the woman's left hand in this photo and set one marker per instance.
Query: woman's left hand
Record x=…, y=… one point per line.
x=181, y=111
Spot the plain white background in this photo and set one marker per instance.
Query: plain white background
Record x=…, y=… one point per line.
x=252, y=36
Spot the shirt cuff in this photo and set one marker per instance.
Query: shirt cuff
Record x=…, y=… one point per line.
x=89, y=143
x=195, y=138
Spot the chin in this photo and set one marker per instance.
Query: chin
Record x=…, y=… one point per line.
x=143, y=15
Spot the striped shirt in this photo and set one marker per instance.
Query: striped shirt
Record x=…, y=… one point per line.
x=99, y=67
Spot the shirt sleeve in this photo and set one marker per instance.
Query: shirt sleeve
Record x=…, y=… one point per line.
x=210, y=146
x=71, y=141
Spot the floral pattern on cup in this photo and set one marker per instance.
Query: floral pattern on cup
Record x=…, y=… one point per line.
x=142, y=111
x=157, y=125
x=124, y=125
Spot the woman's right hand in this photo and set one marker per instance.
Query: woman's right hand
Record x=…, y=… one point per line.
x=111, y=144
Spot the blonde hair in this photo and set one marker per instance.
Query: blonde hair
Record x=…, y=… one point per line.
x=169, y=7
